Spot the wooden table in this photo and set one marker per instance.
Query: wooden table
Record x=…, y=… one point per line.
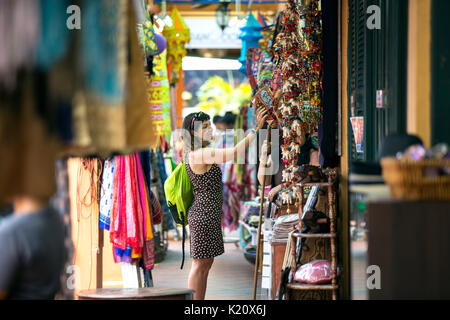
x=136, y=294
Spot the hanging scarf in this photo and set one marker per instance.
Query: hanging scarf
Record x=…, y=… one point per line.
x=118, y=223
x=143, y=195
x=106, y=197
x=148, y=255
x=156, y=210
x=131, y=208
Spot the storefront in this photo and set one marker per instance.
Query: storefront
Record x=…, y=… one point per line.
x=102, y=105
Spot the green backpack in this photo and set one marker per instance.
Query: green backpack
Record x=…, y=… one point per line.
x=179, y=193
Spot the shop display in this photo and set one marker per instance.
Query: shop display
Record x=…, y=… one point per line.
x=320, y=225
x=297, y=52
x=131, y=230
x=109, y=96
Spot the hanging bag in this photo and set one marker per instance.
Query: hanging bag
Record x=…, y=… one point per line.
x=179, y=193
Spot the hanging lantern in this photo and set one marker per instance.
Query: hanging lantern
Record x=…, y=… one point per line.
x=176, y=36
x=251, y=33
x=223, y=14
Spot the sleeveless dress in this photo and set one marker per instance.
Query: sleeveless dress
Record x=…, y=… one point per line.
x=205, y=213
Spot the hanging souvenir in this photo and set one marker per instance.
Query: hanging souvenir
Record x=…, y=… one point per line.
x=176, y=36
x=164, y=91
x=297, y=53
x=150, y=46
x=251, y=33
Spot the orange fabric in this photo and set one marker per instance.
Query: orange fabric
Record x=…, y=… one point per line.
x=179, y=99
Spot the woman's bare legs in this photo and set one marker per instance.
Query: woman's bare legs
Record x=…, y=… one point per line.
x=198, y=277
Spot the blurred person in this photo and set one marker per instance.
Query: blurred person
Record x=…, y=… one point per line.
x=32, y=251
x=230, y=212
x=205, y=212
x=229, y=120
x=219, y=123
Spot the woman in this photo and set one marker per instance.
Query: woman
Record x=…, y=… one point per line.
x=205, y=213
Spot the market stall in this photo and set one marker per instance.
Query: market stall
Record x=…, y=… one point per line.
x=107, y=103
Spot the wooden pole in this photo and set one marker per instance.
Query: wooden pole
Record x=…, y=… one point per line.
x=100, y=239
x=258, y=247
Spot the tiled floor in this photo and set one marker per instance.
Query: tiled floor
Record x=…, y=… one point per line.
x=230, y=278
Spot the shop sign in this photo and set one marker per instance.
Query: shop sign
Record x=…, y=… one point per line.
x=206, y=34
x=358, y=132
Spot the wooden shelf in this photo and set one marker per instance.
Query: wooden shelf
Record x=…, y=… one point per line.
x=305, y=286
x=314, y=235
x=331, y=195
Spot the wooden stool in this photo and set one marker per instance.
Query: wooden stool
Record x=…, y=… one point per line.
x=136, y=294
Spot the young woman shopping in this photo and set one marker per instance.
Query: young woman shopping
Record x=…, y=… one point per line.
x=205, y=213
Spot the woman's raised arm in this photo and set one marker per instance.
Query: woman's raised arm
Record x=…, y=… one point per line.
x=216, y=155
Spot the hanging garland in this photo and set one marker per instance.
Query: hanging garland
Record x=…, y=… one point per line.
x=297, y=51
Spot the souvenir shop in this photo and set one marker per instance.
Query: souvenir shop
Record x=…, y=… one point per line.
x=101, y=114
x=293, y=74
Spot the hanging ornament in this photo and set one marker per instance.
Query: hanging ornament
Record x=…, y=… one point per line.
x=250, y=35
x=150, y=46
x=176, y=36
x=297, y=55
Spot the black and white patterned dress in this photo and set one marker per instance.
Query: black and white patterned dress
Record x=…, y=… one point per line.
x=205, y=213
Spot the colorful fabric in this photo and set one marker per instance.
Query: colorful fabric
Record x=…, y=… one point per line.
x=54, y=39
x=130, y=204
x=156, y=209
x=103, y=49
x=106, y=196
x=148, y=255
x=118, y=222
x=131, y=227
x=145, y=200
x=155, y=105
x=158, y=91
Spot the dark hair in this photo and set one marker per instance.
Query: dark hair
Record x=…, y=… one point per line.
x=189, y=139
x=229, y=118
x=217, y=119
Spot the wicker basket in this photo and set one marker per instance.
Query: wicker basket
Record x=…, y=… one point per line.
x=406, y=179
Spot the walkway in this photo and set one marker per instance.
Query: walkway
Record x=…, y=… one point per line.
x=230, y=278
